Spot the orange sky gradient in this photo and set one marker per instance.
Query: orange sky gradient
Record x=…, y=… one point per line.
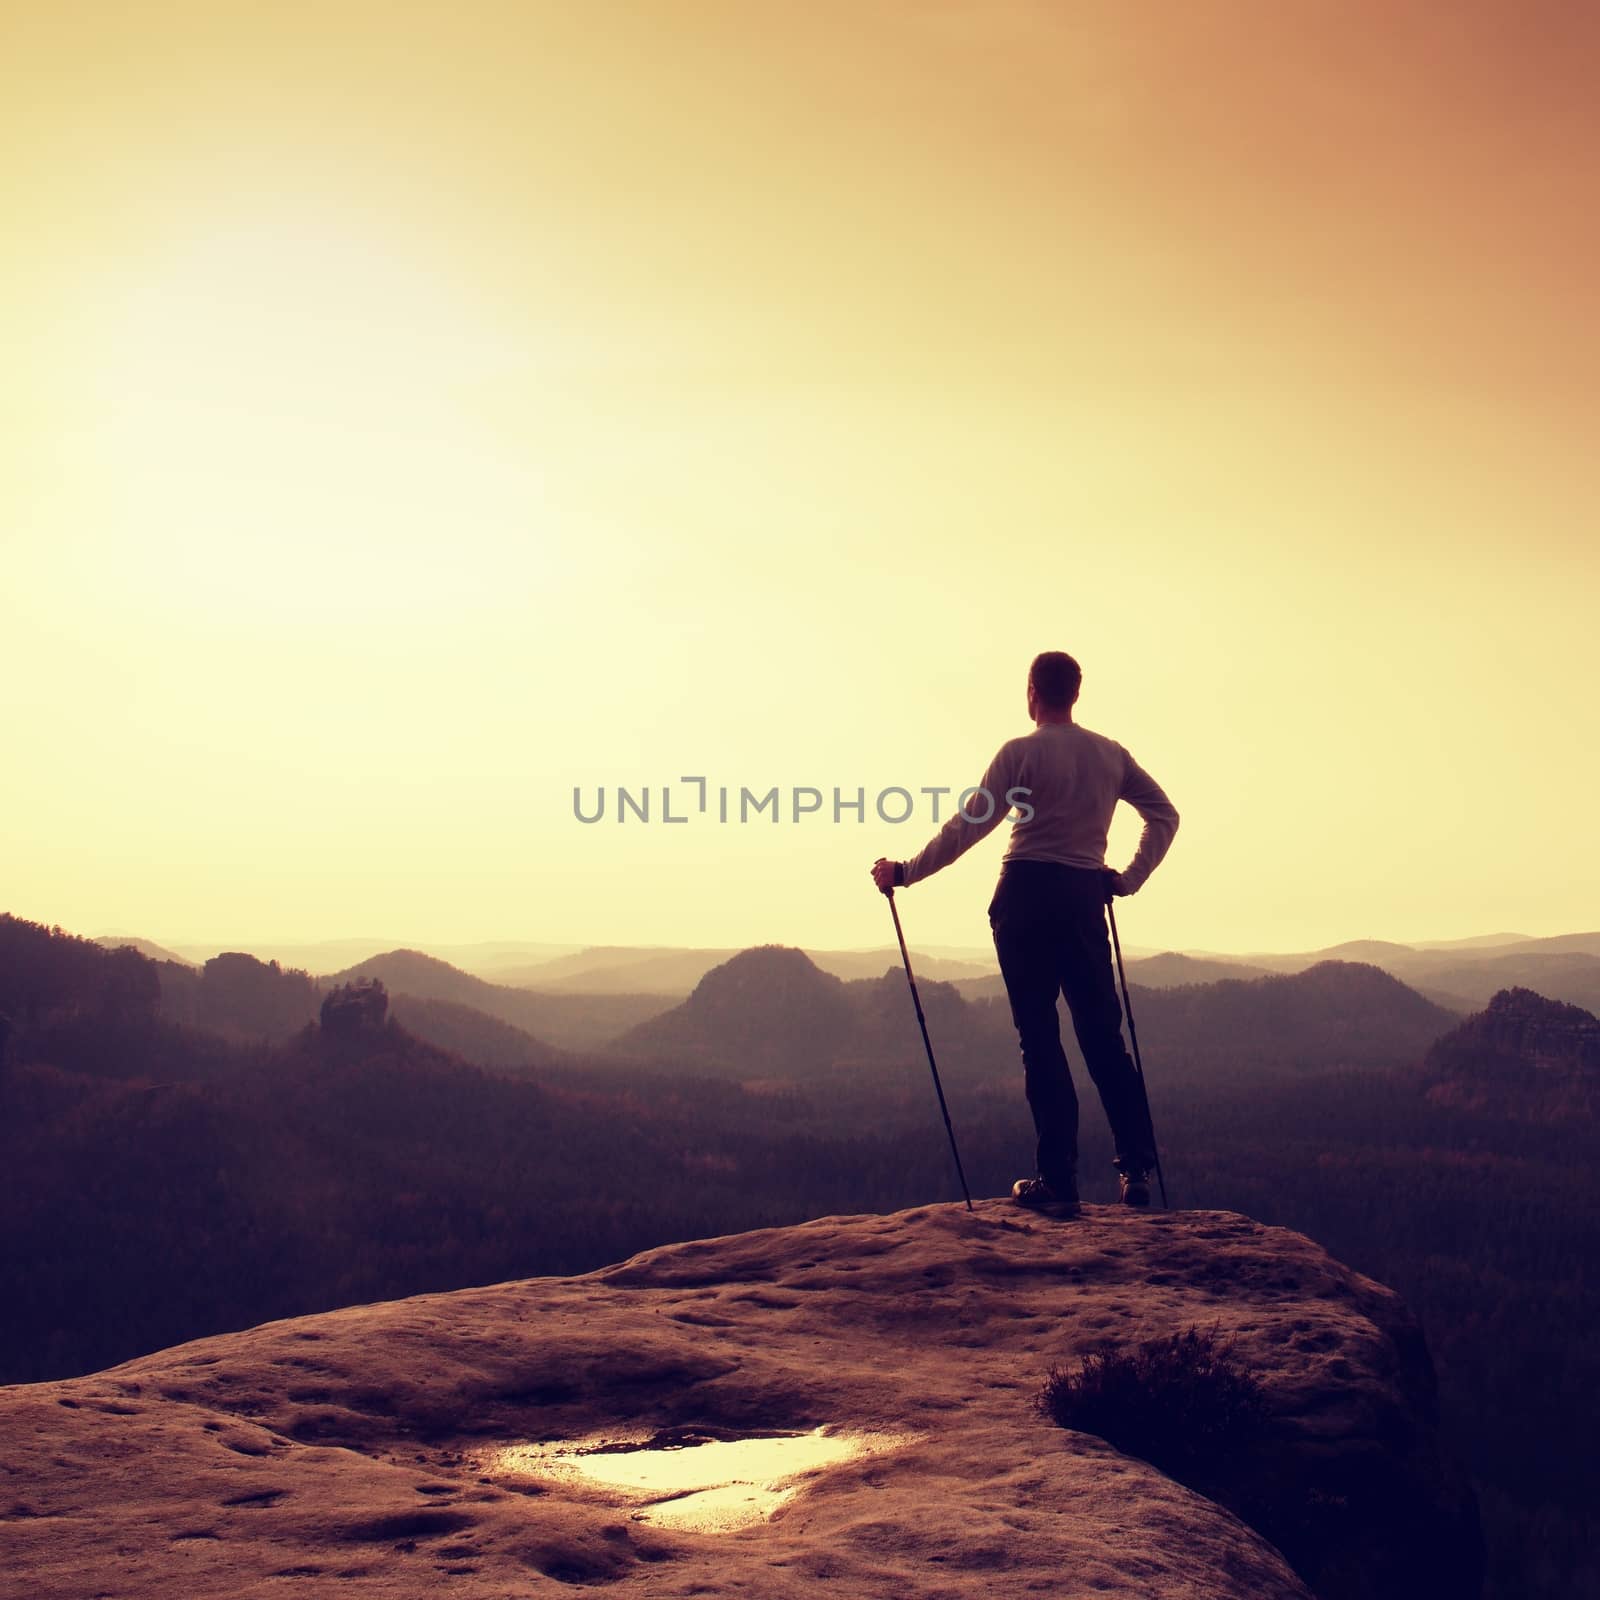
x=412, y=412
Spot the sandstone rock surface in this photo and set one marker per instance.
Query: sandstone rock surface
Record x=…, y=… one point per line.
x=350, y=1452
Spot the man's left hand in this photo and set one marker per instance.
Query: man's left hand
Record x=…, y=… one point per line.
x=883, y=873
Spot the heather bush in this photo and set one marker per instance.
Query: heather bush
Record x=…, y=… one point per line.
x=1180, y=1403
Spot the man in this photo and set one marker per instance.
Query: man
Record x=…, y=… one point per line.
x=1048, y=920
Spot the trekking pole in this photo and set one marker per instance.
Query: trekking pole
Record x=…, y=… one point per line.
x=916, y=1000
x=1133, y=1034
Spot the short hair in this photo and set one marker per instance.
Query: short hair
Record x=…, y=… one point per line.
x=1056, y=679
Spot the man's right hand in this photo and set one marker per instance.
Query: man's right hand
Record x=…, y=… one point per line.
x=1114, y=882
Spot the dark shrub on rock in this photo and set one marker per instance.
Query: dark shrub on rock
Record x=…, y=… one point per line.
x=1179, y=1403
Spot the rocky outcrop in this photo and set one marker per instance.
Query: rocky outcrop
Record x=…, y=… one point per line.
x=354, y=1452
x=1524, y=1056
x=354, y=1008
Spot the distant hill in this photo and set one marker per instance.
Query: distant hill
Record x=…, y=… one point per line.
x=874, y=963
x=992, y=987
x=1481, y=941
x=1463, y=974
x=768, y=1011
x=562, y=1021
x=605, y=969
x=145, y=947
x=1523, y=1057
x=489, y=958
x=631, y=969
x=1566, y=973
x=971, y=1040
x=1457, y=979
x=483, y=958
x=773, y=1012
x=1373, y=951
x=1170, y=970
x=591, y=1021
x=1334, y=1014
x=1173, y=970
x=470, y=1034
x=426, y=977
x=1383, y=953
x=1585, y=943
x=315, y=956
x=241, y=998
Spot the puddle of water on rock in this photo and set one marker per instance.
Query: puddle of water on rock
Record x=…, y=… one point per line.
x=688, y=1480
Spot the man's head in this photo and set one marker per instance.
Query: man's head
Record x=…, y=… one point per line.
x=1053, y=683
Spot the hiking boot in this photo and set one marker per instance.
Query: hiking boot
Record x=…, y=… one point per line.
x=1135, y=1188
x=1038, y=1195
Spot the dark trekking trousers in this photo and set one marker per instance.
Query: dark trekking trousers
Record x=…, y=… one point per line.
x=1049, y=923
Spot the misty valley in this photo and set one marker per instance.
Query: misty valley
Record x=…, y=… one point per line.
x=197, y=1148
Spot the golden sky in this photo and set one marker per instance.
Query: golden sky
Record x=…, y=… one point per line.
x=412, y=412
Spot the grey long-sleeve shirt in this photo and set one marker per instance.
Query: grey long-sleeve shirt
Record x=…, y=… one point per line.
x=1074, y=779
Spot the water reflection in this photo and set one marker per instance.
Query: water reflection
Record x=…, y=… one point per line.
x=688, y=1479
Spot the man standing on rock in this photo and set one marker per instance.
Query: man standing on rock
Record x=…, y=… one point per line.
x=1048, y=916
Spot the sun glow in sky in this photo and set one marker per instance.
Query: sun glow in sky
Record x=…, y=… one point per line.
x=411, y=414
